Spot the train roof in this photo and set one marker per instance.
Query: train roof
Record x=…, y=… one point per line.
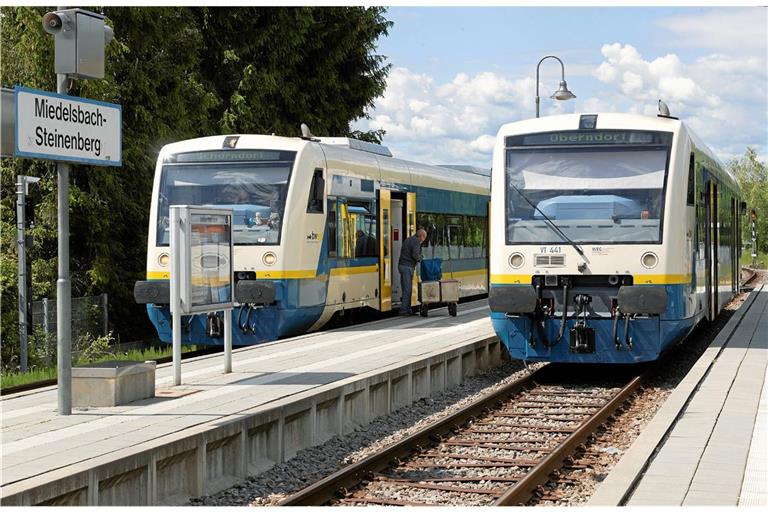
x=347, y=149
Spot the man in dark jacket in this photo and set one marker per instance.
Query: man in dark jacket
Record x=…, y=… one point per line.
x=410, y=255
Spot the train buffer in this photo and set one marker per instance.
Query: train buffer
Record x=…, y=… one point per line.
x=216, y=429
x=707, y=445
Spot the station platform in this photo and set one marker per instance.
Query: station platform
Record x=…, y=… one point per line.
x=707, y=444
x=216, y=429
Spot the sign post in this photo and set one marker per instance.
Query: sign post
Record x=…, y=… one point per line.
x=67, y=129
x=22, y=182
x=753, y=225
x=201, y=274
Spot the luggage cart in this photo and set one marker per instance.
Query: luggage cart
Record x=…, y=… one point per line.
x=445, y=291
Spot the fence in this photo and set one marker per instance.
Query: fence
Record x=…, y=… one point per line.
x=89, y=316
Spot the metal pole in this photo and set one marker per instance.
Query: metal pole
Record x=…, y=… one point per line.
x=227, y=341
x=21, y=197
x=562, y=76
x=105, y=314
x=176, y=295
x=63, y=285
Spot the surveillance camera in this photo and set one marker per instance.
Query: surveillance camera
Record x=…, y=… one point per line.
x=55, y=22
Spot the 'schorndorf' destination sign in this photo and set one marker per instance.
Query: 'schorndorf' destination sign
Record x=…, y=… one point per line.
x=67, y=128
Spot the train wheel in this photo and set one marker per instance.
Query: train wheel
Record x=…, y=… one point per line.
x=424, y=310
x=453, y=309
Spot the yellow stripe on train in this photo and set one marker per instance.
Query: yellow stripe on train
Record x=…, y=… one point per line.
x=638, y=278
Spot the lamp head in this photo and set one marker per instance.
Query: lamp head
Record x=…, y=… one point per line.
x=562, y=93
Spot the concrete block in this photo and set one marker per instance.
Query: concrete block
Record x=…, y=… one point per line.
x=400, y=391
x=176, y=477
x=327, y=420
x=297, y=433
x=378, y=399
x=468, y=364
x=453, y=372
x=419, y=383
x=129, y=487
x=222, y=462
x=355, y=410
x=263, y=446
x=481, y=358
x=437, y=378
x=112, y=383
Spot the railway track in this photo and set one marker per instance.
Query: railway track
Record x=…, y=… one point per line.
x=496, y=451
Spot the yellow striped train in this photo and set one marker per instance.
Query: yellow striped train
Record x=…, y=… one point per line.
x=317, y=229
x=612, y=236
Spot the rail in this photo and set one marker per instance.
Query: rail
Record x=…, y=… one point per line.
x=461, y=429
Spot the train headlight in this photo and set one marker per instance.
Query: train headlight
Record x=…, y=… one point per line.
x=516, y=260
x=163, y=259
x=649, y=260
x=269, y=258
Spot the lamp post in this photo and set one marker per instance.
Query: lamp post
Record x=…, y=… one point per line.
x=562, y=93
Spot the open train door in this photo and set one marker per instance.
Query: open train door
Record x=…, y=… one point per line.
x=410, y=221
x=385, y=250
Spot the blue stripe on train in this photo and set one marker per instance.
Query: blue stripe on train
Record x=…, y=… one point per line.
x=650, y=336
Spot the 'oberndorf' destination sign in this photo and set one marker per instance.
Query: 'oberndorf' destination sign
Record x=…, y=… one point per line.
x=67, y=128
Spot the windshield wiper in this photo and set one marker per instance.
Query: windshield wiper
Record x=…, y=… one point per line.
x=552, y=224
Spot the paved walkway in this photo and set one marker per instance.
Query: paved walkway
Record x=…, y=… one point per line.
x=715, y=453
x=35, y=440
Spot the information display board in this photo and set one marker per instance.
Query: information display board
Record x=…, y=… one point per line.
x=205, y=252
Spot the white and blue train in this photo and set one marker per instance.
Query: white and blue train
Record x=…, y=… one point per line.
x=317, y=229
x=612, y=236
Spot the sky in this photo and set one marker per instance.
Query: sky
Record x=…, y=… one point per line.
x=458, y=73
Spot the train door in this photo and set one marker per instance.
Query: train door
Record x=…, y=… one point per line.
x=715, y=252
x=385, y=251
x=708, y=245
x=397, y=243
x=410, y=220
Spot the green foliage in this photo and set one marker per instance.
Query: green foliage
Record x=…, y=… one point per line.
x=753, y=179
x=92, y=348
x=178, y=72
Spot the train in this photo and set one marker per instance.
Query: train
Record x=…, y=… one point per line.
x=318, y=223
x=612, y=236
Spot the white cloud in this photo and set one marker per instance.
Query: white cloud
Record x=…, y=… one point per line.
x=455, y=121
x=721, y=95
x=722, y=98
x=722, y=29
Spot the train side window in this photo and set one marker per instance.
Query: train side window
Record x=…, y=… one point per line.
x=332, y=229
x=691, y=196
x=316, y=190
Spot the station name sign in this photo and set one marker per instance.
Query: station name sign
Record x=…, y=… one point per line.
x=66, y=128
x=590, y=138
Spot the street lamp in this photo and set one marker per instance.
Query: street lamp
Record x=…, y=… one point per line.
x=562, y=93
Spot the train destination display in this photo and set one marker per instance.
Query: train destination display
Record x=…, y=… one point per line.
x=60, y=127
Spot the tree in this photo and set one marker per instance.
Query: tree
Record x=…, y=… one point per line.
x=752, y=175
x=294, y=65
x=178, y=73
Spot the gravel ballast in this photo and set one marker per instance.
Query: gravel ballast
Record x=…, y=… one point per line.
x=316, y=462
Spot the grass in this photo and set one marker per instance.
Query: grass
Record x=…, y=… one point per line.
x=746, y=259
x=11, y=379
x=8, y=380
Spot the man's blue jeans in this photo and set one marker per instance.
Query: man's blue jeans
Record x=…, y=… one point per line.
x=406, y=285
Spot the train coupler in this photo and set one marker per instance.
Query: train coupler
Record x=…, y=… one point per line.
x=582, y=339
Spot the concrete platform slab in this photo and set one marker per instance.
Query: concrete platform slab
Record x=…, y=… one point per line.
x=217, y=428
x=704, y=445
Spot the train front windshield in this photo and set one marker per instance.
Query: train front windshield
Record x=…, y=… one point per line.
x=253, y=183
x=600, y=187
